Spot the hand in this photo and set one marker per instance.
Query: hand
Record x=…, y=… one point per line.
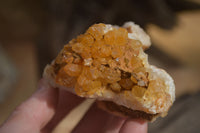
x=48, y=106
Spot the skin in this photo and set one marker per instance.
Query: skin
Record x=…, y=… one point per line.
x=47, y=106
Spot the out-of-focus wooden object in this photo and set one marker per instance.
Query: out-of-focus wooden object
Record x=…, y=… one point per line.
x=183, y=41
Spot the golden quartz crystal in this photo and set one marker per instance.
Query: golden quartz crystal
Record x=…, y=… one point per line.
x=111, y=60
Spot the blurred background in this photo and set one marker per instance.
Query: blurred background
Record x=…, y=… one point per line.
x=33, y=31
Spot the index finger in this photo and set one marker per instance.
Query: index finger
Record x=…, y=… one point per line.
x=135, y=126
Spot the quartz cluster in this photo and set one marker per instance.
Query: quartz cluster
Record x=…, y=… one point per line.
x=105, y=58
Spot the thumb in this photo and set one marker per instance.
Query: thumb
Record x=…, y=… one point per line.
x=134, y=126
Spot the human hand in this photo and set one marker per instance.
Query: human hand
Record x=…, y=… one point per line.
x=48, y=106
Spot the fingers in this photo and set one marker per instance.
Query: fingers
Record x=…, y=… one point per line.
x=34, y=113
x=98, y=121
x=67, y=102
x=134, y=126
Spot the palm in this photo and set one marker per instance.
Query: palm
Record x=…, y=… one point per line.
x=95, y=120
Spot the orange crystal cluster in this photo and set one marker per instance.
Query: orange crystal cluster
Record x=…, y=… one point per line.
x=102, y=59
